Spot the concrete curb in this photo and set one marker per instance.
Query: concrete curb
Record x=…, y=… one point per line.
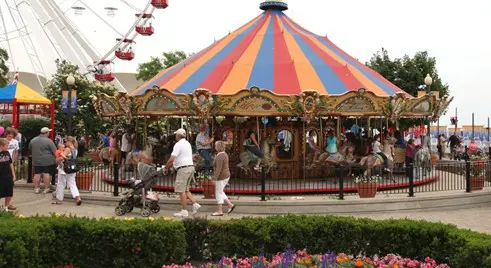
x=339, y=207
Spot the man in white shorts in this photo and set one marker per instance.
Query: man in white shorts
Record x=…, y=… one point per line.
x=182, y=160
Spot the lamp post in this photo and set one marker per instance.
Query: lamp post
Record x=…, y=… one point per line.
x=428, y=82
x=70, y=81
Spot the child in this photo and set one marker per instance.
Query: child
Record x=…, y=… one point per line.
x=7, y=174
x=61, y=148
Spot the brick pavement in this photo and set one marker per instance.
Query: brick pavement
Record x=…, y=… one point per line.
x=28, y=203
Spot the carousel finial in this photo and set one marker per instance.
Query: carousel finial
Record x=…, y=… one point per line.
x=273, y=5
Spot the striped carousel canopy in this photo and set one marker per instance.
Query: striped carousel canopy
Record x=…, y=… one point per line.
x=275, y=53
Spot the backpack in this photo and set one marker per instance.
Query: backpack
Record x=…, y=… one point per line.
x=70, y=165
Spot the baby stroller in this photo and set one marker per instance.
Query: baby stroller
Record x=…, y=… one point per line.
x=459, y=154
x=140, y=194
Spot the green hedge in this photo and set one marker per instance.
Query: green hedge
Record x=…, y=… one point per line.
x=413, y=239
x=84, y=242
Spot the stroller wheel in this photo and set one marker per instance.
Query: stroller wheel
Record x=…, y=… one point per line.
x=155, y=209
x=120, y=210
x=145, y=212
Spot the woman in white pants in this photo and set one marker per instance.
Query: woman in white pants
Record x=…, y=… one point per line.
x=64, y=179
x=221, y=176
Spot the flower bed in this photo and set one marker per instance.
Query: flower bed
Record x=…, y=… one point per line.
x=329, y=260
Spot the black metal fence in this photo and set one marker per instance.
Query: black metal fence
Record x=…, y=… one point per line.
x=337, y=181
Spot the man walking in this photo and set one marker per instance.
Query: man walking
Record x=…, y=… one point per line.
x=43, y=159
x=182, y=160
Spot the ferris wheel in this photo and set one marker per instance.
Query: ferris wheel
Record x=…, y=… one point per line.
x=35, y=33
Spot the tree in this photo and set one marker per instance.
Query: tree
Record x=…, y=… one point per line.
x=85, y=120
x=408, y=73
x=148, y=70
x=4, y=70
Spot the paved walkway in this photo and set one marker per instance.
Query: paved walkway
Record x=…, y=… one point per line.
x=28, y=203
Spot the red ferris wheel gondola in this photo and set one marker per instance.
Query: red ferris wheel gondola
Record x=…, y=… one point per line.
x=145, y=28
x=103, y=71
x=160, y=3
x=126, y=50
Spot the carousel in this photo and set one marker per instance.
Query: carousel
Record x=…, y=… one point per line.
x=293, y=89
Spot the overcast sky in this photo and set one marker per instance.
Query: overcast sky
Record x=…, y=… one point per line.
x=455, y=32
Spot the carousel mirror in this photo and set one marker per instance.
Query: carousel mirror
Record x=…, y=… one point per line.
x=285, y=148
x=228, y=138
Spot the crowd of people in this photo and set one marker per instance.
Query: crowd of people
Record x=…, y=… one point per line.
x=51, y=158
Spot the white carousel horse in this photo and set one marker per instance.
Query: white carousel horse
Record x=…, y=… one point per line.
x=247, y=159
x=422, y=160
x=373, y=161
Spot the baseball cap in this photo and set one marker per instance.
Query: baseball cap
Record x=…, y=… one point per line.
x=45, y=130
x=181, y=132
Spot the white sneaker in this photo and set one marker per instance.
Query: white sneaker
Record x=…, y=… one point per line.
x=196, y=208
x=36, y=190
x=46, y=191
x=183, y=213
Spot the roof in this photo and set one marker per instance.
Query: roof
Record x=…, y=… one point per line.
x=275, y=53
x=22, y=93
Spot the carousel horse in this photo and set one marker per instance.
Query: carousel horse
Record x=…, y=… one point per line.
x=338, y=158
x=422, y=159
x=104, y=154
x=248, y=159
x=374, y=161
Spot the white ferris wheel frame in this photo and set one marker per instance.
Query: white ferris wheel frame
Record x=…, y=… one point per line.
x=68, y=42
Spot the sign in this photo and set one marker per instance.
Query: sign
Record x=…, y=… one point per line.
x=254, y=105
x=64, y=101
x=355, y=105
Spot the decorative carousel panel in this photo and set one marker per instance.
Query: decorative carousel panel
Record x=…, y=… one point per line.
x=356, y=105
x=160, y=103
x=107, y=106
x=422, y=107
x=255, y=105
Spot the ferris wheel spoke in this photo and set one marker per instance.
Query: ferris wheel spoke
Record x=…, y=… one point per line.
x=131, y=6
x=105, y=22
x=7, y=37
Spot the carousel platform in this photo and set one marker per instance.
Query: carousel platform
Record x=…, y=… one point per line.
x=329, y=185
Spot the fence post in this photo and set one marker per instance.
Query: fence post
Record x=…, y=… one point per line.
x=467, y=176
x=116, y=179
x=29, y=169
x=410, y=175
x=340, y=171
x=263, y=184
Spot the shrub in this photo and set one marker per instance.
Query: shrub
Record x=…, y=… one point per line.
x=30, y=127
x=84, y=242
x=408, y=238
x=5, y=123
